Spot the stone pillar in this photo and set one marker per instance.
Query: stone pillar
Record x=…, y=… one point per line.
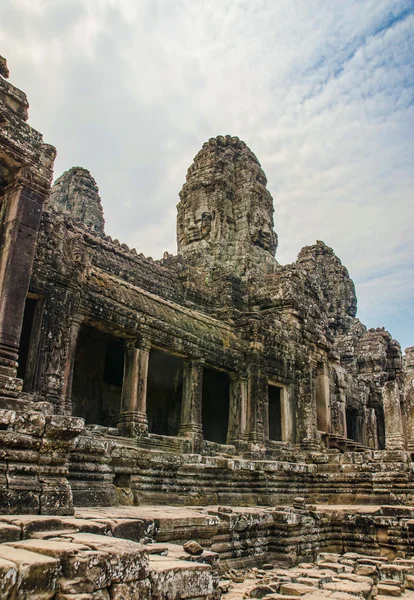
x=394, y=439
x=371, y=439
x=306, y=414
x=133, y=419
x=286, y=414
x=322, y=391
x=66, y=401
x=23, y=209
x=409, y=395
x=257, y=401
x=191, y=409
x=238, y=408
x=338, y=410
x=59, y=331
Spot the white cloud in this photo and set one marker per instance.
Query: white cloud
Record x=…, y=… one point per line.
x=321, y=91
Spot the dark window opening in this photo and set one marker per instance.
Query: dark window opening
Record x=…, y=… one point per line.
x=164, y=393
x=352, y=427
x=215, y=405
x=114, y=362
x=379, y=413
x=97, y=377
x=275, y=413
x=27, y=329
x=404, y=420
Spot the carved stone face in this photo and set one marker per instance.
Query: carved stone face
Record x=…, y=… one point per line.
x=261, y=227
x=262, y=238
x=198, y=226
x=224, y=203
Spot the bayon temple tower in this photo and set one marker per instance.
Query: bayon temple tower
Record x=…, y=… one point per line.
x=215, y=378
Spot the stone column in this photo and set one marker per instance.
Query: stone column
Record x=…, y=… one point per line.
x=59, y=331
x=66, y=400
x=257, y=401
x=371, y=439
x=238, y=408
x=286, y=414
x=409, y=395
x=338, y=404
x=133, y=419
x=306, y=414
x=323, y=405
x=191, y=409
x=23, y=209
x=394, y=439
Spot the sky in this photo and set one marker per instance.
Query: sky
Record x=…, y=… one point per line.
x=322, y=91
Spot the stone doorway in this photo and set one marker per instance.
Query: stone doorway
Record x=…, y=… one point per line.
x=215, y=405
x=164, y=393
x=352, y=424
x=29, y=342
x=97, y=377
x=275, y=413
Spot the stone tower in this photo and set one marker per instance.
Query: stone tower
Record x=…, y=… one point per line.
x=76, y=194
x=225, y=213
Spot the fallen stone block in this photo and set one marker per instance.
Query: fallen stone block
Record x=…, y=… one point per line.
x=388, y=590
x=338, y=596
x=61, y=550
x=367, y=570
x=192, y=547
x=311, y=581
x=175, y=579
x=36, y=573
x=90, y=569
x=261, y=591
x=296, y=589
x=356, y=578
x=349, y=587
x=332, y=566
x=131, y=591
x=98, y=595
x=54, y=533
x=126, y=560
x=396, y=572
x=9, y=533
x=8, y=578
x=282, y=597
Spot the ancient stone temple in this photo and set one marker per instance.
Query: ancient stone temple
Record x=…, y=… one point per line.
x=216, y=378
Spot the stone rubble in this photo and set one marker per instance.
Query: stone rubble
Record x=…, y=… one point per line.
x=333, y=576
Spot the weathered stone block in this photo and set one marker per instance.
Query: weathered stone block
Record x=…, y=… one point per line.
x=8, y=578
x=30, y=423
x=175, y=579
x=61, y=550
x=9, y=533
x=56, y=497
x=64, y=428
x=98, y=595
x=87, y=571
x=131, y=591
x=37, y=574
x=127, y=560
x=18, y=501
